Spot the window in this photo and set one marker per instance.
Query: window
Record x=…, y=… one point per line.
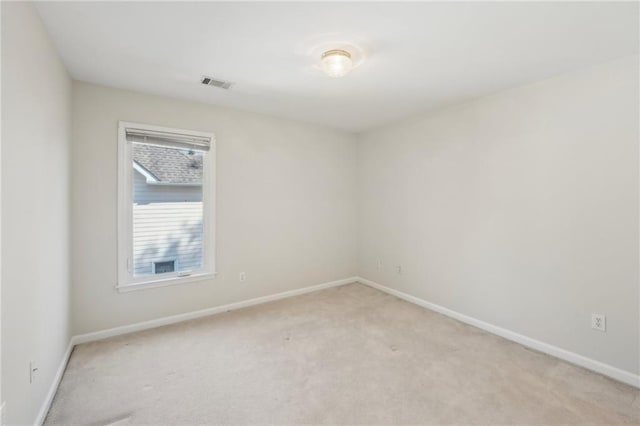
x=166, y=206
x=164, y=267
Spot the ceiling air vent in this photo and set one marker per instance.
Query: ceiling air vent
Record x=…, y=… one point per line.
x=216, y=83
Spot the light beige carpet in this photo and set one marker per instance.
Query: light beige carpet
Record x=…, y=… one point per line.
x=346, y=355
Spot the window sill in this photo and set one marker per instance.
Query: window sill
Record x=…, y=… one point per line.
x=144, y=285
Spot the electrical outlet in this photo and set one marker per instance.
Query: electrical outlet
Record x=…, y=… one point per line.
x=379, y=264
x=33, y=369
x=243, y=276
x=599, y=322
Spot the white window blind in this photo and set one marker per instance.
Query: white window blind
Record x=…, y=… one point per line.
x=168, y=139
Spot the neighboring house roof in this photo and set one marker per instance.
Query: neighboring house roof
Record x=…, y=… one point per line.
x=168, y=166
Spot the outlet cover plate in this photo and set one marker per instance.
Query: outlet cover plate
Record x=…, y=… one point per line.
x=599, y=322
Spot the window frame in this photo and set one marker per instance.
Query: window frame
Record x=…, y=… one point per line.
x=126, y=280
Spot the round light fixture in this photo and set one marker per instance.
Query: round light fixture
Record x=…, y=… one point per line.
x=336, y=63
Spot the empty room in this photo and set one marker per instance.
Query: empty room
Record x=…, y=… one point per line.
x=314, y=213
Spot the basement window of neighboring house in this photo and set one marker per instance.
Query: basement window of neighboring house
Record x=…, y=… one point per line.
x=164, y=267
x=166, y=206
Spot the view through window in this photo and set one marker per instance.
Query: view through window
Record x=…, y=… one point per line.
x=167, y=209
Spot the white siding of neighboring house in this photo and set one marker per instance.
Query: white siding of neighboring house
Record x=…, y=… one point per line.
x=167, y=225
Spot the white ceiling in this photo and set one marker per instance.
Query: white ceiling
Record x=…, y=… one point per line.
x=418, y=56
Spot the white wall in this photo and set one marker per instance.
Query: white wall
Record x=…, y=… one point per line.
x=1, y=398
x=36, y=112
x=519, y=209
x=286, y=206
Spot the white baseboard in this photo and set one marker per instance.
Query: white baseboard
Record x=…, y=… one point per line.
x=572, y=357
x=116, y=331
x=54, y=385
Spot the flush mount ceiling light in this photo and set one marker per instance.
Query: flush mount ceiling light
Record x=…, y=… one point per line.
x=336, y=62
